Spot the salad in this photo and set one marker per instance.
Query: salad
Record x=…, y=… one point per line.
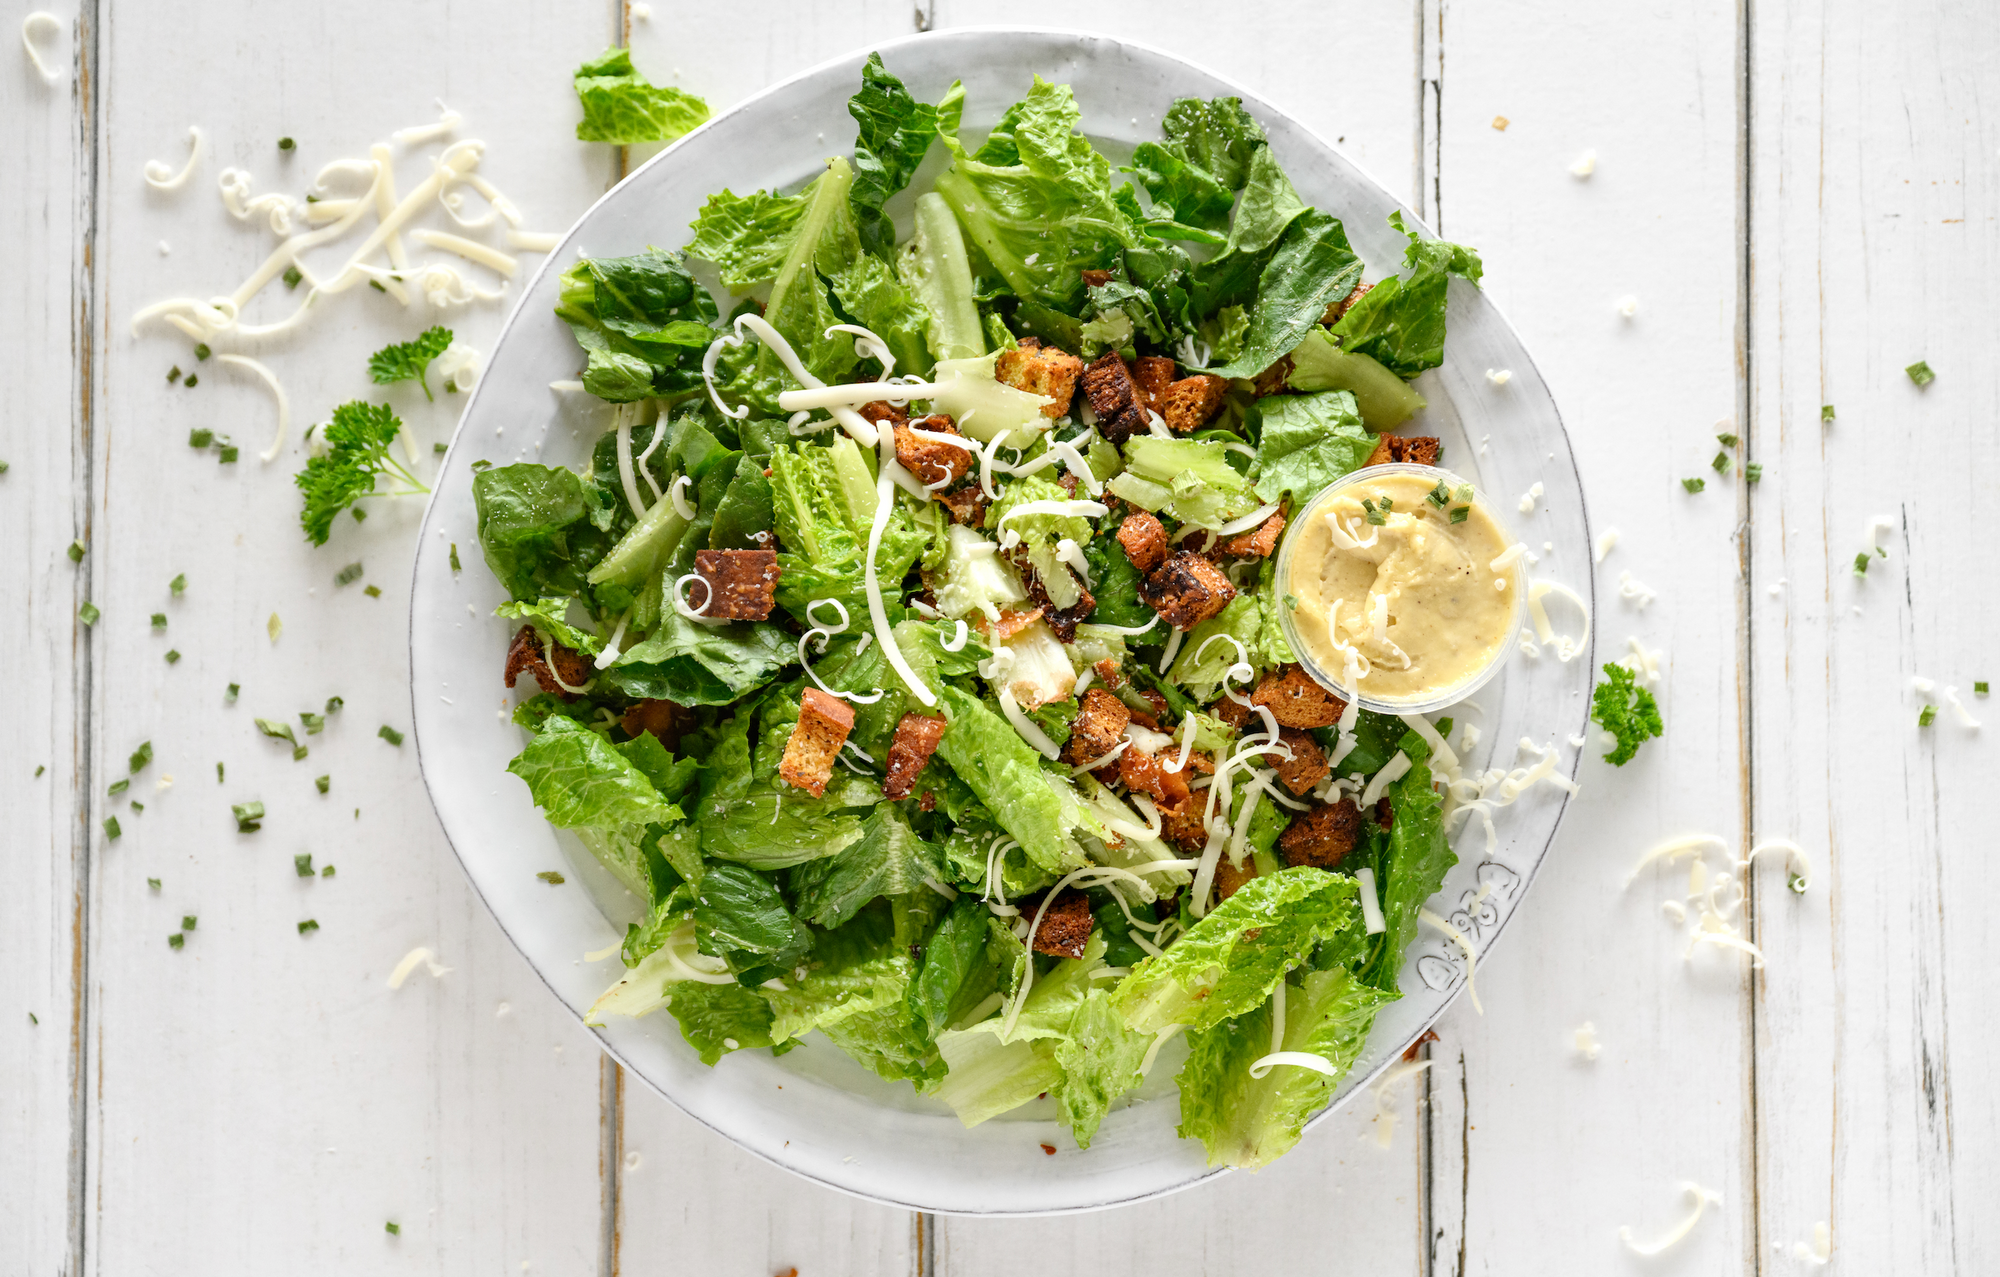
x=910, y=646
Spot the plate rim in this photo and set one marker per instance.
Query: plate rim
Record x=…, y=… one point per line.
x=550, y=262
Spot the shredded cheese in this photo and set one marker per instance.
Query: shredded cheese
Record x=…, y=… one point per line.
x=1584, y=1040
x=270, y=379
x=1606, y=543
x=1371, y=908
x=159, y=176
x=1567, y=649
x=411, y=961
x=1385, y=1116
x=40, y=20
x=1699, y=1196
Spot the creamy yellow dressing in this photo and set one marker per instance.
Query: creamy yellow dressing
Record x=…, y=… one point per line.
x=1417, y=605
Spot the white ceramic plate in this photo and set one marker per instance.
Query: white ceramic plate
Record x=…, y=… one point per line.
x=813, y=1111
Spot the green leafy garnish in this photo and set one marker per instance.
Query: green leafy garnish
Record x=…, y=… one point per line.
x=1920, y=372
x=1727, y=440
x=76, y=552
x=1753, y=471
x=173, y=656
x=407, y=360
x=348, y=575
x=313, y=723
x=88, y=613
x=1826, y=412
x=249, y=816
x=226, y=455
x=323, y=783
x=310, y=925
x=454, y=557
x=326, y=871
x=286, y=144
x=622, y=107
x=117, y=787
x=191, y=381
x=551, y=877
x=1927, y=716
x=1626, y=710
x=1439, y=496
x=187, y=922
x=292, y=277
x=154, y=883
x=176, y=940
x=372, y=591
x=1721, y=463
x=391, y=1226
x=235, y=689
x=302, y=864
x=140, y=757
x=201, y=350
x=111, y=829
x=1459, y=513
x=159, y=620
x=200, y=437
x=357, y=455
x=178, y=585
x=390, y=734
x=1694, y=485
x=1861, y=564
x=1979, y=688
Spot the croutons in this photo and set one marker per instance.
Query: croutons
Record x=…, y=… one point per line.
x=1040, y=370
x=525, y=656
x=1228, y=877
x=1114, y=397
x=741, y=583
x=1186, y=589
x=932, y=462
x=1144, y=539
x=1191, y=402
x=1272, y=381
x=1181, y=823
x=1065, y=926
x=1095, y=278
x=882, y=411
x=1422, y=450
x=1141, y=773
x=965, y=505
x=1153, y=374
x=1323, y=836
x=1257, y=543
x=1345, y=304
x=916, y=739
x=1306, y=767
x=1097, y=728
x=1009, y=624
x=655, y=716
x=1295, y=700
x=1063, y=620
x=1385, y=814
x=824, y=722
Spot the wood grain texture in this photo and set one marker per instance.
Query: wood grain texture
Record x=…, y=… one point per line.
x=44, y=764
x=1874, y=228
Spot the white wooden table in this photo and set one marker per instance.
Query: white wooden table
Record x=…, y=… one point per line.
x=1801, y=199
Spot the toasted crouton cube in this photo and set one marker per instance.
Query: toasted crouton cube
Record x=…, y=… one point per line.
x=1114, y=397
x=1097, y=728
x=1295, y=700
x=965, y=505
x=1096, y=278
x=1144, y=539
x=933, y=463
x=1273, y=380
x=824, y=722
x=655, y=716
x=526, y=655
x=1345, y=304
x=1422, y=450
x=916, y=739
x=1142, y=773
x=1323, y=836
x=1186, y=589
x=1041, y=370
x=1231, y=712
x=1385, y=813
x=882, y=411
x=1192, y=402
x=1182, y=823
x=1065, y=926
x=1306, y=767
x=1153, y=374
x=1257, y=543
x=741, y=583
x=1228, y=877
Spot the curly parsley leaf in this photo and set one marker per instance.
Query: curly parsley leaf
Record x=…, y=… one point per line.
x=1626, y=710
x=357, y=454
x=406, y=360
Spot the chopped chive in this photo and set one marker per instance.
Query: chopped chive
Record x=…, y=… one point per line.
x=76, y=552
x=227, y=454
x=118, y=787
x=1374, y=516
x=348, y=575
x=323, y=783
x=302, y=864
x=1694, y=485
x=1881, y=553
x=333, y=704
x=234, y=690
x=249, y=816
x=372, y=591
x=1928, y=716
x=159, y=620
x=454, y=558
x=360, y=515
x=308, y=925
x=1727, y=440
x=326, y=872
x=201, y=350
x=390, y=734
x=111, y=829
x=392, y=1226
x=1292, y=602
x=138, y=808
x=187, y=922
x=1463, y=492
x=3, y=467
x=173, y=656
x=218, y=773
x=173, y=374
x=277, y=730
x=178, y=585
x=154, y=883
x=1721, y=463
x=286, y=144
x=438, y=447
x=1459, y=513
x=191, y=381
x=298, y=752
x=482, y=464
x=292, y=277
x=1861, y=564
x=88, y=614
x=1920, y=372
x=376, y=284
x=39, y=769
x=314, y=723
x=1978, y=689
x=200, y=437
x=1826, y=412
x=140, y=757
x=1439, y=496
x=176, y=940
x=1753, y=471
x=551, y=877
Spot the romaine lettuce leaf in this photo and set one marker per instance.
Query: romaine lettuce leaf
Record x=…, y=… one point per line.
x=1038, y=809
x=1384, y=400
x=895, y=132
x=546, y=615
x=1194, y=175
x=719, y=1018
x=622, y=107
x=889, y=859
x=1418, y=859
x=1309, y=441
x=1249, y=1122
x=956, y=972
x=853, y=968
x=740, y=917
x=643, y=321
x=1311, y=268
x=1400, y=322
x=1100, y=1061
x=748, y=236
x=535, y=529
x=582, y=782
x=693, y=664
x=1229, y=961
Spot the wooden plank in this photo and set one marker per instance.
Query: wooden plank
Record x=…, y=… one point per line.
x=1875, y=167
x=1518, y=1171
x=44, y=763
x=259, y=1064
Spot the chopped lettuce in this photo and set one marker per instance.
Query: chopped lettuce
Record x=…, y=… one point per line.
x=621, y=106
x=1384, y=400
x=1037, y=808
x=895, y=132
x=1308, y=441
x=1400, y=322
x=1100, y=1061
x=535, y=528
x=1418, y=859
x=546, y=615
x=719, y=1018
x=582, y=782
x=644, y=322
x=1191, y=479
x=889, y=859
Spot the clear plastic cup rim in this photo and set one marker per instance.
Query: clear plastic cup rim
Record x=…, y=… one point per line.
x=1427, y=704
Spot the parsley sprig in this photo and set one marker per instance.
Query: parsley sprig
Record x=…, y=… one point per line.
x=1626, y=710
x=357, y=454
x=406, y=360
